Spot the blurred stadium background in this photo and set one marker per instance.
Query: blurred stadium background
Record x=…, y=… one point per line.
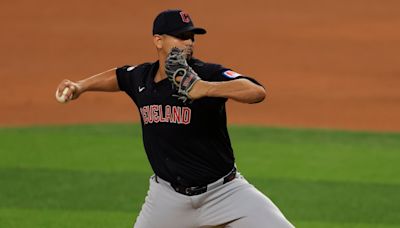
x=326, y=145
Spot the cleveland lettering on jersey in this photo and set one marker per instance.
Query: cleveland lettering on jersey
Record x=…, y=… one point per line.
x=168, y=114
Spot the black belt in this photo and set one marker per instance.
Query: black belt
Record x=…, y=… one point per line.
x=192, y=191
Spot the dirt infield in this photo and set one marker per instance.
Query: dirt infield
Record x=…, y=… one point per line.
x=329, y=64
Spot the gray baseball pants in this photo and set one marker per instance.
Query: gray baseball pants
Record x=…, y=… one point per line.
x=236, y=204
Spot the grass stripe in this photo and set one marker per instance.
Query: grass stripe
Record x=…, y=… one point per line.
x=334, y=201
x=125, y=192
x=56, y=189
x=273, y=153
x=17, y=218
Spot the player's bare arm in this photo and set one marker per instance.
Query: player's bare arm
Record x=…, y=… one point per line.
x=241, y=90
x=190, y=86
x=105, y=81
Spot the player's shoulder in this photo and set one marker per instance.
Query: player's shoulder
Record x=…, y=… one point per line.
x=205, y=69
x=129, y=76
x=197, y=63
x=134, y=68
x=135, y=72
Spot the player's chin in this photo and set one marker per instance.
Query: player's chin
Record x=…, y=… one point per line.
x=188, y=54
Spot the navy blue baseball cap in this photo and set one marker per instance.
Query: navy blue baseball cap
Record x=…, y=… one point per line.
x=172, y=22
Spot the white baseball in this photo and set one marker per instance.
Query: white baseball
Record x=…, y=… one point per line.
x=62, y=98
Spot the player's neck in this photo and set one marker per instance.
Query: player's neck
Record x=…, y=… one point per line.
x=160, y=75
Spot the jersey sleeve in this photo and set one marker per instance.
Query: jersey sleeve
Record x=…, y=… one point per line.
x=220, y=73
x=125, y=79
x=226, y=74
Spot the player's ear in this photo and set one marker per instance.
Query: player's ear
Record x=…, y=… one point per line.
x=158, y=41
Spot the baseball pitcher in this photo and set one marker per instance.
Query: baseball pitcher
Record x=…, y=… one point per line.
x=181, y=101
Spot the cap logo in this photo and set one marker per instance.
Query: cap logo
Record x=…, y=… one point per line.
x=185, y=17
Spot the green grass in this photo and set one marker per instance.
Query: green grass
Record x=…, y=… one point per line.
x=97, y=175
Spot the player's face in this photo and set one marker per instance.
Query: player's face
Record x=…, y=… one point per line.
x=184, y=41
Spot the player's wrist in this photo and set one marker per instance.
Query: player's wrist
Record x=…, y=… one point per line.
x=202, y=88
x=207, y=88
x=210, y=89
x=81, y=87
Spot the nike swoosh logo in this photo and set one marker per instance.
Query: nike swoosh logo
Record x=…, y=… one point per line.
x=141, y=89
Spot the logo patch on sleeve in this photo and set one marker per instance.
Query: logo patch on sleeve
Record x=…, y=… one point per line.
x=231, y=74
x=130, y=68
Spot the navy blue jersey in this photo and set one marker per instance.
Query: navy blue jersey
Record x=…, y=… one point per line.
x=186, y=144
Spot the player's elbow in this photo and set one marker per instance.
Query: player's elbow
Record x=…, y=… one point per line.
x=259, y=94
